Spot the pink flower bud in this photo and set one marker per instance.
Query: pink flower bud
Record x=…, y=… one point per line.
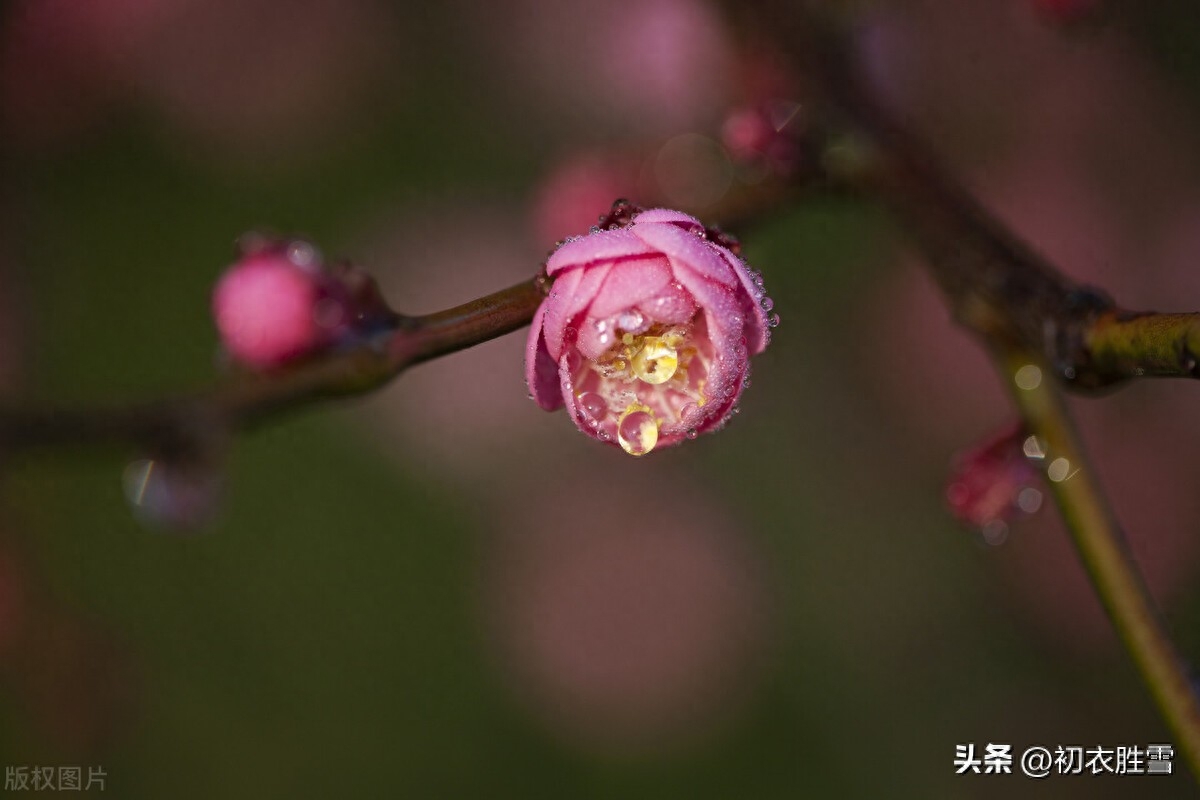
x=996, y=482
x=647, y=333
x=274, y=306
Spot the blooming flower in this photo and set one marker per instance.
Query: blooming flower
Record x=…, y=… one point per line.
x=647, y=332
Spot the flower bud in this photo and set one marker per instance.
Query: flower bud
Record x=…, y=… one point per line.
x=281, y=302
x=647, y=332
x=996, y=482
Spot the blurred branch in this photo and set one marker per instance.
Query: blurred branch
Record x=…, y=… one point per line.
x=1124, y=345
x=1023, y=309
x=1106, y=555
x=178, y=423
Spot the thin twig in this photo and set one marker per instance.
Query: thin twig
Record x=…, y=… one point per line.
x=249, y=398
x=1106, y=555
x=1024, y=310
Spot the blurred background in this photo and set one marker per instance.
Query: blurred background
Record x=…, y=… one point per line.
x=442, y=591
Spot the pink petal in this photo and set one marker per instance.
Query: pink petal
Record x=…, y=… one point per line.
x=599, y=246
x=726, y=316
x=541, y=373
x=579, y=287
x=557, y=309
x=672, y=306
x=756, y=320
x=629, y=283
x=670, y=216
x=685, y=250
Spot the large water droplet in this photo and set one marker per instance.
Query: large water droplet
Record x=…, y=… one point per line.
x=656, y=362
x=773, y=320
x=167, y=495
x=637, y=430
x=766, y=303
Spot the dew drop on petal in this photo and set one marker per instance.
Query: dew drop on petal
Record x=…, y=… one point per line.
x=656, y=362
x=637, y=430
x=593, y=406
x=766, y=303
x=773, y=320
x=631, y=321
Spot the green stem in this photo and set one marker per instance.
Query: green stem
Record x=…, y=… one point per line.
x=1129, y=345
x=1105, y=553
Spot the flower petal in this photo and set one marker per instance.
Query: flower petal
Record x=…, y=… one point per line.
x=629, y=283
x=685, y=249
x=670, y=216
x=756, y=318
x=600, y=246
x=541, y=373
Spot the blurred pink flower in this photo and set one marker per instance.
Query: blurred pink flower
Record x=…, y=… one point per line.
x=251, y=75
x=580, y=190
x=466, y=413
x=658, y=64
x=647, y=333
x=637, y=637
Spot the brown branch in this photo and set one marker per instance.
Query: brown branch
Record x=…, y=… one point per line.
x=1025, y=312
x=178, y=423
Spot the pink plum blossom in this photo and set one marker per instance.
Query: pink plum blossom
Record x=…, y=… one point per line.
x=276, y=305
x=647, y=332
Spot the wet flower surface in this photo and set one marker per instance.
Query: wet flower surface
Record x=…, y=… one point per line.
x=647, y=332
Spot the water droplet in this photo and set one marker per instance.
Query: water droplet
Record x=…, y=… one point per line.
x=1028, y=377
x=303, y=254
x=631, y=321
x=1033, y=447
x=167, y=495
x=593, y=406
x=995, y=532
x=637, y=430
x=746, y=382
x=656, y=361
x=1059, y=470
x=773, y=320
x=691, y=433
x=766, y=303
x=1029, y=500
x=569, y=334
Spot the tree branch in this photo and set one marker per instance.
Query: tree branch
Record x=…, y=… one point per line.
x=1106, y=555
x=1024, y=311
x=175, y=424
